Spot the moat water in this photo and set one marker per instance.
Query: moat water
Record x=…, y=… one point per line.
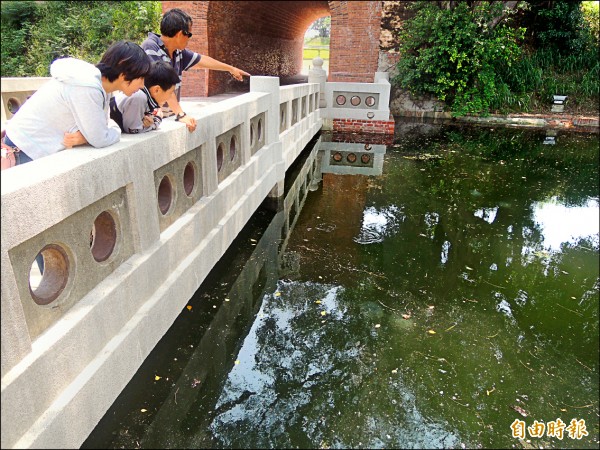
x=445, y=295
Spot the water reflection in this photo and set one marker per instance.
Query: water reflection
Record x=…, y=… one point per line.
x=562, y=224
x=429, y=302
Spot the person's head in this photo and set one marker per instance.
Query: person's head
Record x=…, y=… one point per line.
x=177, y=24
x=161, y=81
x=126, y=63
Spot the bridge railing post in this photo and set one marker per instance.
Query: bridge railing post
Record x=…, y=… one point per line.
x=318, y=75
x=269, y=85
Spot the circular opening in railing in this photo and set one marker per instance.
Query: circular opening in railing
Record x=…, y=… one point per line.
x=220, y=152
x=340, y=100
x=251, y=134
x=259, y=130
x=165, y=195
x=351, y=157
x=368, y=147
x=355, y=100
x=337, y=156
x=103, y=236
x=232, y=148
x=370, y=115
x=370, y=101
x=365, y=158
x=13, y=105
x=49, y=274
x=189, y=178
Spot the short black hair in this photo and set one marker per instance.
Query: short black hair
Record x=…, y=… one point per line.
x=162, y=74
x=124, y=57
x=174, y=21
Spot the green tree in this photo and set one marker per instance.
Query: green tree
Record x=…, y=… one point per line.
x=558, y=25
x=451, y=49
x=323, y=26
x=36, y=33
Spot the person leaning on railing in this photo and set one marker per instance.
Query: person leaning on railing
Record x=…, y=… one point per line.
x=170, y=46
x=72, y=108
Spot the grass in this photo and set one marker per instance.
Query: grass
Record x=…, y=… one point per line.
x=529, y=84
x=310, y=53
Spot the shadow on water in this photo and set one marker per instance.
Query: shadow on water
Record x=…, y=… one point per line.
x=425, y=293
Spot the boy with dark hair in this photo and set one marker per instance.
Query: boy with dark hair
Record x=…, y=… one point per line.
x=141, y=111
x=170, y=46
x=72, y=108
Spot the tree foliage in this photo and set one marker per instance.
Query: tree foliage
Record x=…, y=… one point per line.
x=322, y=25
x=451, y=52
x=36, y=33
x=479, y=56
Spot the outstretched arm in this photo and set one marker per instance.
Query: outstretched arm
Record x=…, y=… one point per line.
x=206, y=62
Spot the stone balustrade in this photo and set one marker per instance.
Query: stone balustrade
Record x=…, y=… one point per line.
x=128, y=233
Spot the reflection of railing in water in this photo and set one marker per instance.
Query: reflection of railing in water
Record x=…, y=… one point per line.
x=353, y=154
x=195, y=392
x=209, y=363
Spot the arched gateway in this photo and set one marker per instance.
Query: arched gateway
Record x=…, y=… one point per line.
x=266, y=38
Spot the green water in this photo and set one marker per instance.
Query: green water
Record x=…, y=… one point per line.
x=430, y=306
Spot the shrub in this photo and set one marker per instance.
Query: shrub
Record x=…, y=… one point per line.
x=452, y=54
x=81, y=29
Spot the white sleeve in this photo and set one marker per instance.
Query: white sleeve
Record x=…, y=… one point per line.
x=91, y=118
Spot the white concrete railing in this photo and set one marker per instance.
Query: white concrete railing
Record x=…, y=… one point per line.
x=353, y=101
x=128, y=234
x=16, y=91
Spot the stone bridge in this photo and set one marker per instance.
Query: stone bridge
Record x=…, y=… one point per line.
x=128, y=234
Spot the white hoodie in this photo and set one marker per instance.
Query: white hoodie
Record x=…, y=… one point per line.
x=73, y=100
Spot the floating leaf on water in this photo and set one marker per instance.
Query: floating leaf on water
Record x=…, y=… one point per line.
x=520, y=410
x=252, y=240
x=395, y=371
x=143, y=410
x=489, y=392
x=156, y=378
x=468, y=268
x=406, y=316
x=318, y=302
x=226, y=299
x=237, y=361
x=430, y=307
x=189, y=307
x=323, y=313
x=277, y=294
x=377, y=325
x=431, y=331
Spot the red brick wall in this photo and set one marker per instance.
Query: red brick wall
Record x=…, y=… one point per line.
x=364, y=126
x=354, y=44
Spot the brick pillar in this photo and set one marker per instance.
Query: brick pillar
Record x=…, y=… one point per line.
x=354, y=44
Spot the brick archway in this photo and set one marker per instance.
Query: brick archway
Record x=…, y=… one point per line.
x=266, y=38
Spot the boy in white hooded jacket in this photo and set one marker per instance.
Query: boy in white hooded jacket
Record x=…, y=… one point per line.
x=72, y=108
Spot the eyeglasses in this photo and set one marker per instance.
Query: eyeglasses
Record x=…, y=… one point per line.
x=187, y=33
